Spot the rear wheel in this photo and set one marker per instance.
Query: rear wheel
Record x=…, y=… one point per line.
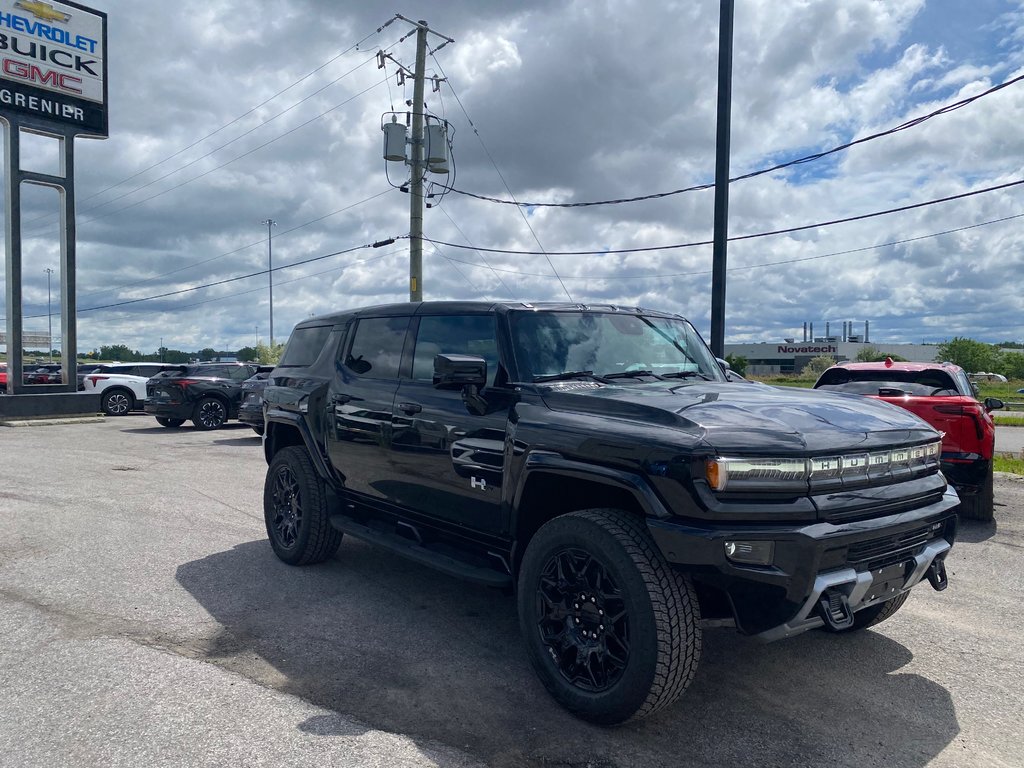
x=611, y=629
x=295, y=510
x=876, y=614
x=164, y=421
x=117, y=402
x=981, y=505
x=210, y=413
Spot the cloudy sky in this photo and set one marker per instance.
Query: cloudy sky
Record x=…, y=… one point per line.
x=225, y=113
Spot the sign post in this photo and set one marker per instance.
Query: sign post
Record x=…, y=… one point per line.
x=53, y=83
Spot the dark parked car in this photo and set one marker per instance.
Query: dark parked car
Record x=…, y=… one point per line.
x=597, y=461
x=251, y=410
x=942, y=395
x=42, y=373
x=207, y=393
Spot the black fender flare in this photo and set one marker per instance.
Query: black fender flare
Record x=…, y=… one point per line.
x=556, y=464
x=295, y=421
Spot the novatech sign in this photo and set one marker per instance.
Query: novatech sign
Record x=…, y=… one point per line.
x=805, y=350
x=53, y=63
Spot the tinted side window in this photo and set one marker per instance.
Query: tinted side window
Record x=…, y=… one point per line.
x=455, y=334
x=304, y=345
x=376, y=350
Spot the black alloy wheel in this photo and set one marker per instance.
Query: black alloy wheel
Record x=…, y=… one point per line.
x=582, y=619
x=210, y=413
x=612, y=631
x=295, y=510
x=117, y=402
x=170, y=423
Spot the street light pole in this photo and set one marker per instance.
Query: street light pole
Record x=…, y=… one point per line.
x=270, y=274
x=49, y=316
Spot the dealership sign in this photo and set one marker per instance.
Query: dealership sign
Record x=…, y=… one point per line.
x=53, y=64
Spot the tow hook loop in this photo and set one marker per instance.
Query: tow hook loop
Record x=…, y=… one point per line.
x=835, y=610
x=937, y=575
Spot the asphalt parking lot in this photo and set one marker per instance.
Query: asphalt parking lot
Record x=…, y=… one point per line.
x=145, y=621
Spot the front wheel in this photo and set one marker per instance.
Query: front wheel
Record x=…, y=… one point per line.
x=611, y=629
x=295, y=510
x=209, y=413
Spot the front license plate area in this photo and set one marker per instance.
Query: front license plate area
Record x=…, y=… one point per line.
x=887, y=582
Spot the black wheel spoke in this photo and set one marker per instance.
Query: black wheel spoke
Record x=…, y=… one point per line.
x=574, y=597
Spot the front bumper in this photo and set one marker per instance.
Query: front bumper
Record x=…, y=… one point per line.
x=861, y=562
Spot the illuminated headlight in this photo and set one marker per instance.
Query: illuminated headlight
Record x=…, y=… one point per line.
x=738, y=474
x=755, y=473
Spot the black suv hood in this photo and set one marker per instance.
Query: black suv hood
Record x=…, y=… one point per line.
x=748, y=418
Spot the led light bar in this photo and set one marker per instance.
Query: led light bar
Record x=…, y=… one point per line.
x=775, y=474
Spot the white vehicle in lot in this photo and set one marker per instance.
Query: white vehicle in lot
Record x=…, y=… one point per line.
x=123, y=385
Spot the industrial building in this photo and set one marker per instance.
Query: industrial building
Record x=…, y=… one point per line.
x=791, y=356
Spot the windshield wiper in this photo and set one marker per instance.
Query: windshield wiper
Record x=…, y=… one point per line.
x=566, y=375
x=630, y=375
x=686, y=375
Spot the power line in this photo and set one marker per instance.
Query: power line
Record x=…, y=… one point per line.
x=224, y=281
x=234, y=159
x=799, y=161
x=245, y=114
x=239, y=249
x=736, y=238
x=500, y=176
x=753, y=266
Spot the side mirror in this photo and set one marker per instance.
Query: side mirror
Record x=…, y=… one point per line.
x=993, y=404
x=458, y=371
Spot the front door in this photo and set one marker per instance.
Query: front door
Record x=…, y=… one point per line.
x=448, y=462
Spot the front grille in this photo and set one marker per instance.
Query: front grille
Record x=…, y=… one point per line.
x=890, y=550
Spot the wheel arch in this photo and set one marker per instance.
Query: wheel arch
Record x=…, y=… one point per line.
x=552, y=486
x=283, y=430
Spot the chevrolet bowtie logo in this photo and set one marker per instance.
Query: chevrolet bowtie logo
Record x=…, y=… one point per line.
x=43, y=11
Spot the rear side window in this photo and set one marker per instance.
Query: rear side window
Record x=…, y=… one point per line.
x=304, y=345
x=376, y=350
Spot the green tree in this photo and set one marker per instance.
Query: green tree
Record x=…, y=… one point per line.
x=247, y=353
x=267, y=355
x=208, y=353
x=817, y=366
x=1012, y=365
x=973, y=356
x=118, y=352
x=871, y=354
x=738, y=363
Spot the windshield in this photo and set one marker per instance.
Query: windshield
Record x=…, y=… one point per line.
x=604, y=343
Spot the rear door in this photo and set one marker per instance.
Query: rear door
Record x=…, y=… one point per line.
x=359, y=404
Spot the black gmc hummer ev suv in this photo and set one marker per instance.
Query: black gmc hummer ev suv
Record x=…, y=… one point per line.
x=596, y=461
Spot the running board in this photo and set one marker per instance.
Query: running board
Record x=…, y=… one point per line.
x=420, y=553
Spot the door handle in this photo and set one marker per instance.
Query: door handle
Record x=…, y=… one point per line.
x=410, y=408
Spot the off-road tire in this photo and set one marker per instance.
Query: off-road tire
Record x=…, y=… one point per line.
x=210, y=413
x=165, y=421
x=876, y=614
x=295, y=510
x=658, y=606
x=117, y=402
x=981, y=505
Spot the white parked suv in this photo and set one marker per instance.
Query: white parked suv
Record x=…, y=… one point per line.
x=123, y=385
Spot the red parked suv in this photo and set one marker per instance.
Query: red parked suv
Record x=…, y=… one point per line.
x=942, y=395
